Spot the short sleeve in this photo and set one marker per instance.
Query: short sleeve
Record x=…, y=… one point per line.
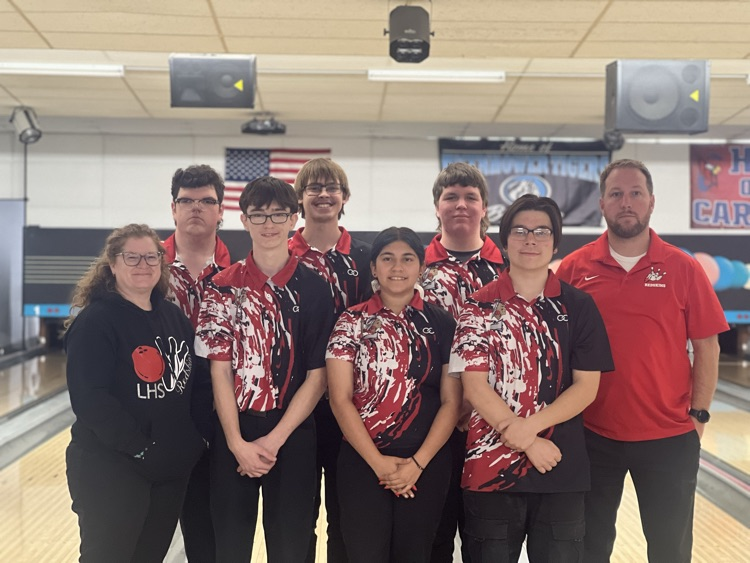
x=590, y=350
x=214, y=334
x=318, y=323
x=704, y=315
x=445, y=327
x=343, y=342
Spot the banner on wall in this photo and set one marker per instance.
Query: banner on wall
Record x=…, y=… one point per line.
x=244, y=165
x=565, y=172
x=720, y=186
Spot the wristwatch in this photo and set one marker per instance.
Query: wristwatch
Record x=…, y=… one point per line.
x=701, y=416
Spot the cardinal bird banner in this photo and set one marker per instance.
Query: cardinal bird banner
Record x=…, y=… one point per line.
x=244, y=165
x=565, y=172
x=720, y=186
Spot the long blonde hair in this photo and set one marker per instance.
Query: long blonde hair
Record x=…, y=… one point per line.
x=98, y=280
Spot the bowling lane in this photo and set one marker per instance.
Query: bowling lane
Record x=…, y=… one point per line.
x=34, y=379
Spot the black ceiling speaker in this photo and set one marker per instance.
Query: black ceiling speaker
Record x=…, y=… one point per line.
x=212, y=81
x=409, y=31
x=652, y=96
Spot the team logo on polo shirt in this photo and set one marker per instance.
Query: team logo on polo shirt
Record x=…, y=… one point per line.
x=498, y=311
x=655, y=275
x=429, y=278
x=370, y=327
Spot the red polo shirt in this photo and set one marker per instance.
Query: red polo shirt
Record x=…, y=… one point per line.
x=447, y=281
x=184, y=291
x=398, y=361
x=273, y=330
x=650, y=313
x=345, y=267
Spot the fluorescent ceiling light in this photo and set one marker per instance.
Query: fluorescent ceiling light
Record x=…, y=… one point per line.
x=62, y=69
x=676, y=141
x=486, y=76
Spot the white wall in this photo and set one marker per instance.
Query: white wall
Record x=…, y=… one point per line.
x=106, y=180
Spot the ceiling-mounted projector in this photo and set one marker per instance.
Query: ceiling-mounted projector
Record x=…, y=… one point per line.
x=263, y=126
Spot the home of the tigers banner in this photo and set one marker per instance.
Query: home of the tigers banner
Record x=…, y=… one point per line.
x=566, y=172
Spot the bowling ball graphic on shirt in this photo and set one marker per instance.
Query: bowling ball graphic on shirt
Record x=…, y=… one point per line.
x=148, y=363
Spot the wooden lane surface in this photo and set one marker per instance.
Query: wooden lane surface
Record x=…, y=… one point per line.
x=37, y=525
x=727, y=436
x=31, y=380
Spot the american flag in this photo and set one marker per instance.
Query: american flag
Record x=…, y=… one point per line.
x=244, y=165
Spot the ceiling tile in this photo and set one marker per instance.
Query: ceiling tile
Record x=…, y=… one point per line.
x=135, y=42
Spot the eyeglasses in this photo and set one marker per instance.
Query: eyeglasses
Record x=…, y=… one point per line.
x=540, y=233
x=204, y=202
x=133, y=258
x=317, y=189
x=261, y=218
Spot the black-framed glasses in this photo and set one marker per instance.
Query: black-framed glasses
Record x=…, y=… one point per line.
x=203, y=202
x=261, y=218
x=540, y=233
x=133, y=258
x=317, y=189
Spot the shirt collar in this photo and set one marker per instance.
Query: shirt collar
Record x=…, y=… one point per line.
x=375, y=303
x=436, y=252
x=255, y=279
x=220, y=257
x=299, y=246
x=506, y=291
x=656, y=249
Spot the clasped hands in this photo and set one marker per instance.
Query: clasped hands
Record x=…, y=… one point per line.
x=520, y=434
x=398, y=474
x=255, y=458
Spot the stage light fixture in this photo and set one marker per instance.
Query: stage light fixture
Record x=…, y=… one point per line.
x=409, y=31
x=26, y=125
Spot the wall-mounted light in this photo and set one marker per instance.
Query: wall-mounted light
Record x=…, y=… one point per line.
x=26, y=125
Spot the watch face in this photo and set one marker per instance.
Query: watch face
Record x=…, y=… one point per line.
x=701, y=416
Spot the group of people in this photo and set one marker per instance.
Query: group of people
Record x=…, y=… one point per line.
x=429, y=389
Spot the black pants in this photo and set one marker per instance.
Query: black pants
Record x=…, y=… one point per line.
x=122, y=516
x=328, y=443
x=378, y=526
x=453, y=510
x=664, y=473
x=288, y=493
x=195, y=518
x=498, y=522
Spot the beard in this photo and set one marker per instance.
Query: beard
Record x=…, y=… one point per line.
x=628, y=231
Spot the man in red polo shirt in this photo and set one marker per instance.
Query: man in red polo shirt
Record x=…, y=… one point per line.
x=649, y=414
x=460, y=260
x=195, y=253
